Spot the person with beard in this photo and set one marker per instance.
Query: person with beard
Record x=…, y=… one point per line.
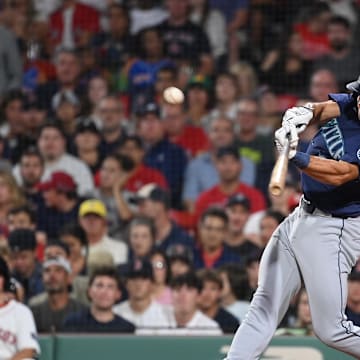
x=52, y=147
x=238, y=210
x=31, y=168
x=112, y=124
x=50, y=313
x=229, y=166
x=201, y=173
x=343, y=59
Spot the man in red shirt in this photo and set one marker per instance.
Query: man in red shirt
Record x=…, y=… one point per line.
x=228, y=165
x=73, y=24
x=191, y=138
x=313, y=32
x=133, y=147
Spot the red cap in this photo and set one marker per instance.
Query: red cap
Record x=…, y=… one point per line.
x=59, y=181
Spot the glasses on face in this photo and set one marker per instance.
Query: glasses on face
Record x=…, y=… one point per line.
x=158, y=265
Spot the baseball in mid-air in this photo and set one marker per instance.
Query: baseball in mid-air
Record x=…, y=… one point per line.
x=173, y=95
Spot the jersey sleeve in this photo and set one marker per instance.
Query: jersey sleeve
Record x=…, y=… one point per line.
x=352, y=152
x=26, y=334
x=343, y=100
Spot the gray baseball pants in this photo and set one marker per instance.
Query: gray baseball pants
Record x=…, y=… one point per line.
x=323, y=249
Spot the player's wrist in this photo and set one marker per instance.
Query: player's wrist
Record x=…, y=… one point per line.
x=301, y=160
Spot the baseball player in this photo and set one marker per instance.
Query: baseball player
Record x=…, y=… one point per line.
x=320, y=240
x=18, y=338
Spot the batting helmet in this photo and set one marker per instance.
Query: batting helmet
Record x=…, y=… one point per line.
x=354, y=86
x=4, y=272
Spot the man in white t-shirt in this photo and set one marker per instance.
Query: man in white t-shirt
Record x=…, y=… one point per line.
x=18, y=336
x=141, y=309
x=186, y=318
x=52, y=147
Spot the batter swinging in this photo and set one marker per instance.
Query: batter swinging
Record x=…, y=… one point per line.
x=320, y=240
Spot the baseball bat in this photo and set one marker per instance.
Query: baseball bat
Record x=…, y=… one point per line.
x=278, y=175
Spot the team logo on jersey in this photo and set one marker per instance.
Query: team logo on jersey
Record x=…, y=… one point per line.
x=333, y=139
x=358, y=154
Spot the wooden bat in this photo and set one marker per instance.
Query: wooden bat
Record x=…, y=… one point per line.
x=278, y=175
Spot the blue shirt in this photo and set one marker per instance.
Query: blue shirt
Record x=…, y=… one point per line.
x=338, y=139
x=142, y=74
x=51, y=220
x=170, y=159
x=229, y=7
x=177, y=236
x=84, y=321
x=227, y=257
x=202, y=175
x=32, y=285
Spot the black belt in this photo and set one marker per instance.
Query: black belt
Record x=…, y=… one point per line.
x=310, y=208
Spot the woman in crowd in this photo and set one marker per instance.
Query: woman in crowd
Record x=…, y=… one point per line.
x=97, y=89
x=226, y=95
x=11, y=196
x=74, y=236
x=142, y=234
x=247, y=80
x=114, y=173
x=161, y=270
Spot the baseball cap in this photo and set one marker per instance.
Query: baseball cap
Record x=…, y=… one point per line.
x=139, y=269
x=354, y=85
x=228, y=150
x=92, y=206
x=22, y=239
x=59, y=180
x=238, y=199
x=87, y=125
x=180, y=252
x=58, y=261
x=199, y=81
x=148, y=108
x=32, y=102
x=67, y=96
x=153, y=192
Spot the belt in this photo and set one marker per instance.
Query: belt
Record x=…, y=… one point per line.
x=310, y=208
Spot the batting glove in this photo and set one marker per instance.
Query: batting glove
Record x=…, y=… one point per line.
x=284, y=134
x=300, y=116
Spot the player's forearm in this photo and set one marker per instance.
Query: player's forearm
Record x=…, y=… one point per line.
x=324, y=111
x=331, y=172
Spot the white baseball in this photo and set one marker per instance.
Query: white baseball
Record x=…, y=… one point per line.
x=173, y=95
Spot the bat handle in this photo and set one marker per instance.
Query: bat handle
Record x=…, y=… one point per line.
x=278, y=175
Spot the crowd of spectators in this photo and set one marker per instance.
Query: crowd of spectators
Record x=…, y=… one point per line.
x=122, y=213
